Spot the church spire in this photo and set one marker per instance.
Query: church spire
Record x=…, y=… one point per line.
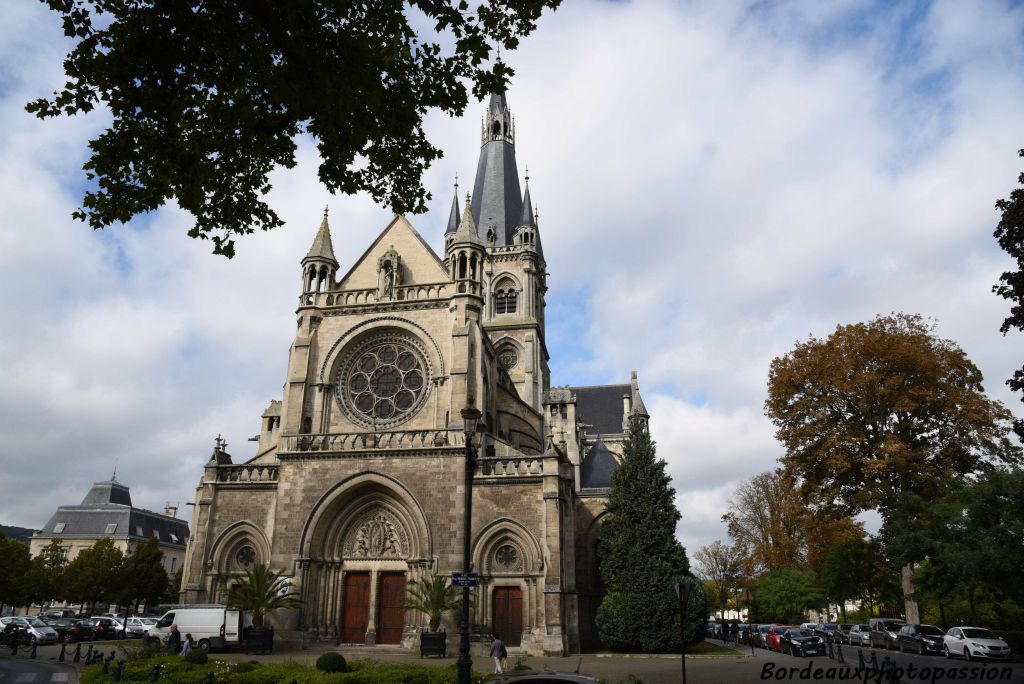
x=497, y=199
x=453, y=217
x=526, y=216
x=322, y=247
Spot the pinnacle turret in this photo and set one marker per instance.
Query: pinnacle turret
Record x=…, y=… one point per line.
x=322, y=248
x=526, y=215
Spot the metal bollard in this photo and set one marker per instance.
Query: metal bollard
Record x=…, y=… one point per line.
x=63, y=649
x=78, y=652
x=831, y=651
x=155, y=674
x=860, y=657
x=874, y=660
x=106, y=666
x=14, y=645
x=209, y=678
x=33, y=654
x=88, y=655
x=118, y=671
x=839, y=653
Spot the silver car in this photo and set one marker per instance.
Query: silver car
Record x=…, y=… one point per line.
x=860, y=635
x=38, y=631
x=139, y=627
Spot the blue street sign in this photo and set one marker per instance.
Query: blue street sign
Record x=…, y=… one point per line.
x=464, y=579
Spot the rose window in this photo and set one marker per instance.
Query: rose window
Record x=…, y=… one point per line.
x=382, y=383
x=508, y=358
x=507, y=556
x=246, y=556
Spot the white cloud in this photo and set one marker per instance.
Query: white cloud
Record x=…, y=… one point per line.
x=715, y=181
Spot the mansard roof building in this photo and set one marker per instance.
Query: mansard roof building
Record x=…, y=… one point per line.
x=107, y=512
x=357, y=484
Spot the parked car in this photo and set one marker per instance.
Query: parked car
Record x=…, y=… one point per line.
x=106, y=628
x=762, y=635
x=57, y=614
x=860, y=635
x=60, y=625
x=138, y=627
x=774, y=635
x=974, y=642
x=810, y=626
x=801, y=642
x=884, y=632
x=81, y=630
x=920, y=639
x=36, y=631
x=828, y=632
x=843, y=633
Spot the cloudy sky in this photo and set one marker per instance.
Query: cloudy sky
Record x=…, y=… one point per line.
x=715, y=181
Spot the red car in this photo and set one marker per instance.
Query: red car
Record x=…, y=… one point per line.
x=775, y=632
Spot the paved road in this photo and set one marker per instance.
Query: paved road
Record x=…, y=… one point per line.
x=18, y=670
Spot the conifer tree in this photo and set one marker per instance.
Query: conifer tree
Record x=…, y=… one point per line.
x=641, y=560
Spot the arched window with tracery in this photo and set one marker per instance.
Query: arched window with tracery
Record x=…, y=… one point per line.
x=506, y=297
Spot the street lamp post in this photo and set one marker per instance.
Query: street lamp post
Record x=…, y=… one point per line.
x=683, y=592
x=470, y=417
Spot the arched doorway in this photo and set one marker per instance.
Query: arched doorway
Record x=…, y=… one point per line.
x=364, y=541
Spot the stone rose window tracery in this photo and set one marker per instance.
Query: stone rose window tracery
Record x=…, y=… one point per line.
x=508, y=358
x=507, y=557
x=246, y=556
x=383, y=382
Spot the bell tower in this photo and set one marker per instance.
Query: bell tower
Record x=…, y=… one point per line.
x=514, y=274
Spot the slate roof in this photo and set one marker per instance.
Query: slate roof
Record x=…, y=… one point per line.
x=497, y=199
x=601, y=408
x=597, y=467
x=322, y=247
x=109, y=503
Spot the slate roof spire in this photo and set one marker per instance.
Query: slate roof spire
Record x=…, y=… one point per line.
x=453, y=217
x=467, y=231
x=497, y=199
x=526, y=216
x=322, y=248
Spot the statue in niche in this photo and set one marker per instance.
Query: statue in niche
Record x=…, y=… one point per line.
x=389, y=268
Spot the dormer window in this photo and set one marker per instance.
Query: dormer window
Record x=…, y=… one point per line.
x=59, y=527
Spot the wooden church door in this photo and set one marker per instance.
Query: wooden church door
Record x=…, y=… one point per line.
x=355, y=607
x=508, y=614
x=390, y=614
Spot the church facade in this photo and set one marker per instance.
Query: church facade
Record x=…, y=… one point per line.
x=357, y=487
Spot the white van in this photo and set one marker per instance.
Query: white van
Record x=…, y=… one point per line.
x=211, y=627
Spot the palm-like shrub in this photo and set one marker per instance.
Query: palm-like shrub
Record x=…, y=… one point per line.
x=262, y=591
x=433, y=597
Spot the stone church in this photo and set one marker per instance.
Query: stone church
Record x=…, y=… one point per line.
x=357, y=486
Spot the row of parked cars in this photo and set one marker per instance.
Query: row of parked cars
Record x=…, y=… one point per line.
x=809, y=638
x=64, y=626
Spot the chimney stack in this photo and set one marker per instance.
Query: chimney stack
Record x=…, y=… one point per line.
x=171, y=509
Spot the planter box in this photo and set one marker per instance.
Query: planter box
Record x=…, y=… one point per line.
x=433, y=643
x=259, y=641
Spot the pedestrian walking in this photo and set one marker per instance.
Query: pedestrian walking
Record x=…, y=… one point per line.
x=174, y=640
x=186, y=647
x=499, y=653
x=725, y=633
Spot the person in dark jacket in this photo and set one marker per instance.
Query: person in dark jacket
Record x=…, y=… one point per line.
x=174, y=640
x=498, y=652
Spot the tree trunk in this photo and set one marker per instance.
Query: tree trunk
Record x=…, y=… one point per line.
x=842, y=609
x=942, y=615
x=912, y=612
x=970, y=603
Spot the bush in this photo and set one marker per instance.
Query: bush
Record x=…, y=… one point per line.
x=197, y=657
x=331, y=662
x=244, y=667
